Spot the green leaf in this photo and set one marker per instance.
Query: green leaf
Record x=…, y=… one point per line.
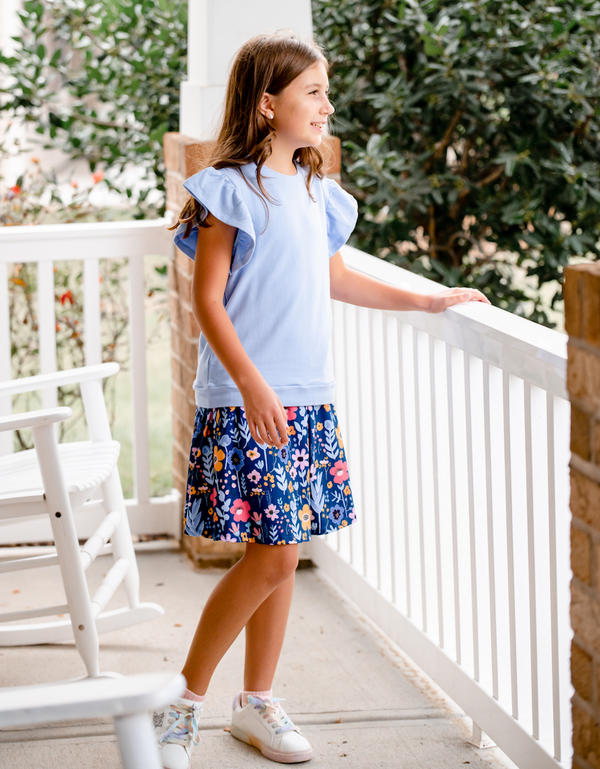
x=430, y=47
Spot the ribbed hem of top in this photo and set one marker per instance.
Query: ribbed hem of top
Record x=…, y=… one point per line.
x=218, y=397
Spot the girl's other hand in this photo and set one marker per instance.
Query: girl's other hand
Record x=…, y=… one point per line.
x=267, y=419
x=450, y=296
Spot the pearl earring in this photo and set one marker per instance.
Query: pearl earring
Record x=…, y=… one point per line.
x=271, y=116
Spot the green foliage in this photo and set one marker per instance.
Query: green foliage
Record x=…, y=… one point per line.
x=100, y=80
x=471, y=129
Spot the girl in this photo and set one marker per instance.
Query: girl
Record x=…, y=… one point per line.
x=267, y=464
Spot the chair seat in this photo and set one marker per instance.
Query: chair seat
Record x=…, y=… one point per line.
x=85, y=465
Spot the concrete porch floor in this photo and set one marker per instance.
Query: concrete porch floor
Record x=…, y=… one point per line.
x=357, y=698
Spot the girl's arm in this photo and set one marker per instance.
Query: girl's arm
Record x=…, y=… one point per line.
x=353, y=287
x=264, y=411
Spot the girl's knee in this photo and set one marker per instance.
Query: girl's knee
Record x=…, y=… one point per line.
x=276, y=563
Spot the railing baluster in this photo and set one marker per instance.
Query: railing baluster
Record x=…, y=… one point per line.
x=451, y=448
x=490, y=525
x=514, y=678
x=531, y=562
x=365, y=501
x=137, y=343
x=375, y=450
x=46, y=321
x=91, y=312
x=473, y=546
x=436, y=491
x=389, y=464
x=353, y=440
x=419, y=480
x=553, y=578
x=344, y=312
x=407, y=558
x=6, y=438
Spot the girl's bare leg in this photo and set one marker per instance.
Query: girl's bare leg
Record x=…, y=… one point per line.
x=265, y=631
x=231, y=605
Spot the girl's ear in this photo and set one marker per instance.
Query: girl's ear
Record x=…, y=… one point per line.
x=265, y=106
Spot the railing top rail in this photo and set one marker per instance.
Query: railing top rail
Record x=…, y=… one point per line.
x=85, y=240
x=520, y=346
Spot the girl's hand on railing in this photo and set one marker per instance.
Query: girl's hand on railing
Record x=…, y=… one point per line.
x=443, y=299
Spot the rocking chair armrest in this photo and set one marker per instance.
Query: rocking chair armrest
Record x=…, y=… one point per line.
x=34, y=418
x=59, y=378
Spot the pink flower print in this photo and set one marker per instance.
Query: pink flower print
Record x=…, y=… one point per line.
x=254, y=476
x=300, y=458
x=252, y=454
x=256, y=517
x=235, y=528
x=240, y=510
x=256, y=532
x=213, y=497
x=293, y=472
x=227, y=538
x=339, y=471
x=272, y=512
x=291, y=413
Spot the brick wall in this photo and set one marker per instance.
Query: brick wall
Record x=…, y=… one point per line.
x=582, y=323
x=184, y=157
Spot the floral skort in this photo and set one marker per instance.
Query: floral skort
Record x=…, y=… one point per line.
x=239, y=491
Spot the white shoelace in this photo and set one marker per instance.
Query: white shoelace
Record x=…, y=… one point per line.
x=276, y=714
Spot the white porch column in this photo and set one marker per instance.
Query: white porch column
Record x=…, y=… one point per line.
x=216, y=29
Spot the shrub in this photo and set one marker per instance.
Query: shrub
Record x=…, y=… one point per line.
x=101, y=79
x=471, y=129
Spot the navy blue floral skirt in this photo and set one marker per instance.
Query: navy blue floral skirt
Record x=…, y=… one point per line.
x=239, y=491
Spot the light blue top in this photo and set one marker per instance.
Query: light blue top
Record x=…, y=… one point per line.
x=277, y=292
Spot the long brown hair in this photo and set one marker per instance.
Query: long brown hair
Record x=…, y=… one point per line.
x=265, y=63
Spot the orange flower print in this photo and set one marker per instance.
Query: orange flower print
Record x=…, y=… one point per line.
x=339, y=472
x=304, y=516
x=218, y=459
x=240, y=510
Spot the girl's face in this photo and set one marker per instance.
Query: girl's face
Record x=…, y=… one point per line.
x=300, y=111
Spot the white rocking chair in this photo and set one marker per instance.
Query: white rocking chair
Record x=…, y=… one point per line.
x=56, y=481
x=128, y=700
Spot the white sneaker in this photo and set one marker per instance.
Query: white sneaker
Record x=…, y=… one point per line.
x=263, y=723
x=176, y=728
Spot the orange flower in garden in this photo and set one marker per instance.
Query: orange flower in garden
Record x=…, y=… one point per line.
x=74, y=184
x=67, y=297
x=34, y=160
x=97, y=176
x=16, y=189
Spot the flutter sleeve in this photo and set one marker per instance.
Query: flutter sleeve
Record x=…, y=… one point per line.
x=342, y=213
x=219, y=195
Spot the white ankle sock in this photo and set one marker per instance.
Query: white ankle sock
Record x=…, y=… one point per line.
x=188, y=695
x=254, y=694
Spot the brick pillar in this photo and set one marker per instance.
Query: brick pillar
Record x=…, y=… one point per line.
x=184, y=157
x=582, y=322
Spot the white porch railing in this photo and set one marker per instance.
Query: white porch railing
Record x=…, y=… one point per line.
x=44, y=245
x=457, y=431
